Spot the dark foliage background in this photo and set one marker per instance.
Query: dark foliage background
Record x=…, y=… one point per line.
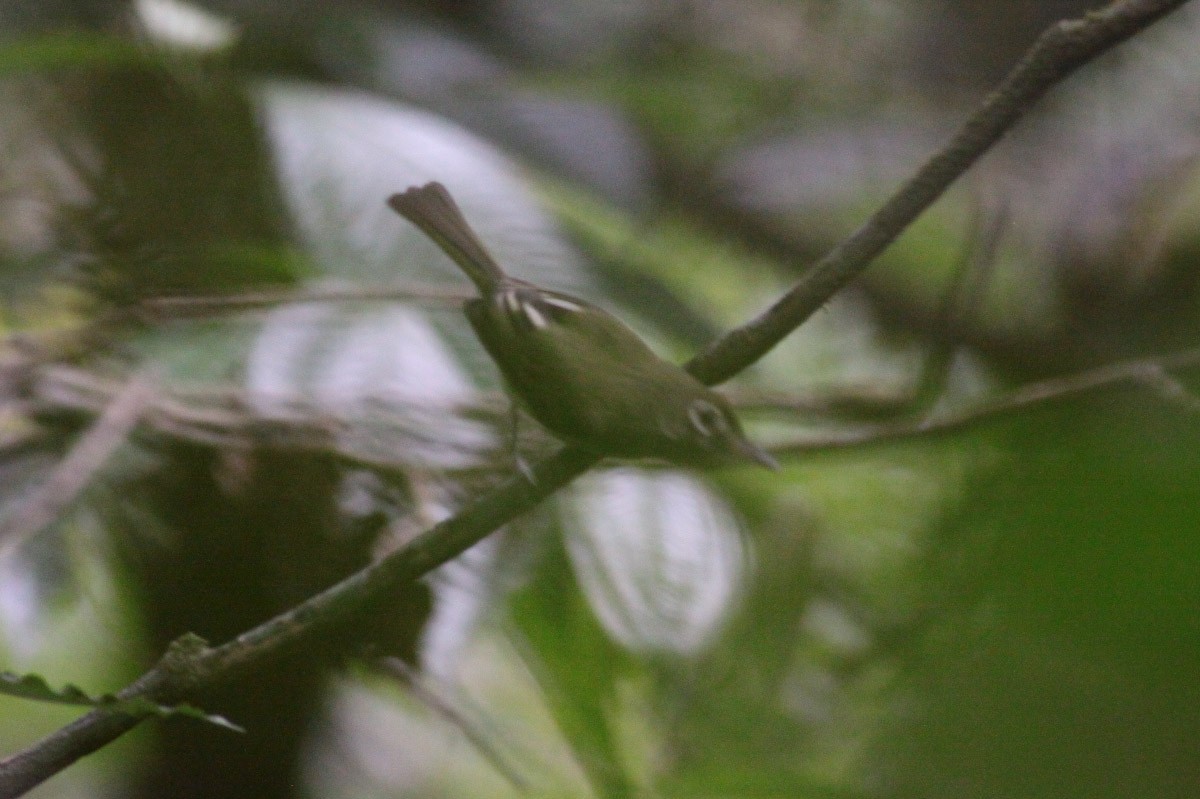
x=1007, y=611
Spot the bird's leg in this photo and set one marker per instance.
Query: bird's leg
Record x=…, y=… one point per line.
x=514, y=419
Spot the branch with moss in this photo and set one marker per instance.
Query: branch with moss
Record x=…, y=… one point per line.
x=190, y=664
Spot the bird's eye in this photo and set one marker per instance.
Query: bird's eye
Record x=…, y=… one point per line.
x=707, y=418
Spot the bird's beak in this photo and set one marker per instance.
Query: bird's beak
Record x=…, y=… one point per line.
x=752, y=452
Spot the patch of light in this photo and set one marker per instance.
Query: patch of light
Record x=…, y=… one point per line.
x=19, y=606
x=184, y=25
x=659, y=555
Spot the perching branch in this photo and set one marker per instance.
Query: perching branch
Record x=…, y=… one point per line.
x=1064, y=48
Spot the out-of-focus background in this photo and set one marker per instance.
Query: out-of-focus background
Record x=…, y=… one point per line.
x=1009, y=610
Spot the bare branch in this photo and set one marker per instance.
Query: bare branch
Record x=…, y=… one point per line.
x=1169, y=389
x=189, y=306
x=74, y=472
x=228, y=419
x=1149, y=372
x=1059, y=51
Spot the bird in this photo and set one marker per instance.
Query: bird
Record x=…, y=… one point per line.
x=579, y=371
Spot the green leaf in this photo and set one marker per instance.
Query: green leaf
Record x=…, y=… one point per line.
x=35, y=687
x=577, y=667
x=140, y=706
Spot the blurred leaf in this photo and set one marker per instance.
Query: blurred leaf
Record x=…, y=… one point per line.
x=693, y=100
x=659, y=556
x=345, y=362
x=180, y=196
x=1067, y=626
x=679, y=277
x=578, y=668
x=341, y=153
x=70, y=50
x=733, y=774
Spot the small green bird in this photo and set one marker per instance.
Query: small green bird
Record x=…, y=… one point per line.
x=580, y=371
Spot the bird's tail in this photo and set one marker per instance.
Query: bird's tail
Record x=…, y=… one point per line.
x=433, y=210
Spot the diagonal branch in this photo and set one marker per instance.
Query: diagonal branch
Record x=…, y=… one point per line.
x=190, y=665
x=75, y=471
x=1059, y=51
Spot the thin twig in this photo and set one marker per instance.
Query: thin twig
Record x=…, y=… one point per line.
x=198, y=306
x=413, y=679
x=75, y=471
x=1169, y=389
x=1063, y=48
x=233, y=426
x=227, y=419
x=962, y=300
x=1153, y=373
